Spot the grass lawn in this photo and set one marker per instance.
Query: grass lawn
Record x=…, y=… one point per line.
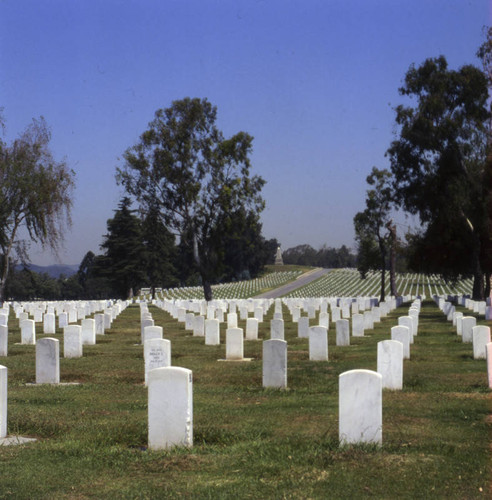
x=250, y=442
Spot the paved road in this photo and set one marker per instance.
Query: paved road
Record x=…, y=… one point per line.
x=303, y=279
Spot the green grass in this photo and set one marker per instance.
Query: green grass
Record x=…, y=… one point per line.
x=250, y=442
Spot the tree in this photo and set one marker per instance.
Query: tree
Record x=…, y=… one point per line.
x=160, y=251
x=373, y=227
x=35, y=194
x=124, y=256
x=438, y=161
x=185, y=166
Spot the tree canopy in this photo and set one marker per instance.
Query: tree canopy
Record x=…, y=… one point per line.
x=438, y=163
x=35, y=194
x=196, y=177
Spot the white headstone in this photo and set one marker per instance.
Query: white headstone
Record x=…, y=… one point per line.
x=390, y=363
x=28, y=332
x=360, y=407
x=357, y=325
x=88, y=331
x=303, y=327
x=72, y=341
x=488, y=353
x=318, y=343
x=275, y=363
x=49, y=323
x=48, y=361
x=324, y=319
x=277, y=329
x=99, y=319
x=152, y=332
x=3, y=401
x=234, y=344
x=343, y=332
x=199, y=326
x=481, y=337
x=170, y=407
x=157, y=354
x=251, y=329
x=402, y=334
x=4, y=343
x=212, y=332
x=467, y=324
x=409, y=323
x=231, y=320
x=62, y=320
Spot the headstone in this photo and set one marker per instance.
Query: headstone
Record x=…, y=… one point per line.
x=152, y=332
x=99, y=319
x=336, y=314
x=303, y=327
x=4, y=343
x=357, y=325
x=48, y=361
x=3, y=401
x=390, y=363
x=234, y=344
x=343, y=332
x=157, y=354
x=408, y=322
x=62, y=320
x=360, y=407
x=88, y=331
x=324, y=319
x=28, y=332
x=231, y=320
x=72, y=341
x=49, y=323
x=481, y=337
x=467, y=324
x=258, y=313
x=376, y=314
x=251, y=329
x=368, y=320
x=275, y=363
x=402, y=334
x=212, y=332
x=488, y=351
x=318, y=343
x=199, y=326
x=189, y=320
x=143, y=325
x=170, y=407
x=277, y=329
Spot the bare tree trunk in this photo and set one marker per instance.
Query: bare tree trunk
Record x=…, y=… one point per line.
x=478, y=285
x=207, y=290
x=392, y=231
x=5, y=273
x=383, y=269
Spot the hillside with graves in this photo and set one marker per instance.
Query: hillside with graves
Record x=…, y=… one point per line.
x=324, y=392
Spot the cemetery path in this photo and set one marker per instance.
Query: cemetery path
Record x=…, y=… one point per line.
x=302, y=280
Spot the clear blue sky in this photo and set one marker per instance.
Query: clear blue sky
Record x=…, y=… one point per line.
x=314, y=81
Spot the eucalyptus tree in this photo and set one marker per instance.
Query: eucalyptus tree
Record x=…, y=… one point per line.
x=374, y=229
x=35, y=195
x=438, y=163
x=197, y=178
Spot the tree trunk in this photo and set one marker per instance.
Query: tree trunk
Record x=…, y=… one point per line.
x=3, y=280
x=392, y=230
x=488, y=277
x=383, y=269
x=478, y=288
x=207, y=290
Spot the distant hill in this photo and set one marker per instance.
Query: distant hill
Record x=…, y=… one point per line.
x=55, y=271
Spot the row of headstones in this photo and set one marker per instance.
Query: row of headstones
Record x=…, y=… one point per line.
x=478, y=335
x=170, y=417
x=479, y=307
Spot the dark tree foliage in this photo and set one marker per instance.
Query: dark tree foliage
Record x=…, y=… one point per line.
x=160, y=251
x=328, y=257
x=124, y=257
x=438, y=163
x=197, y=178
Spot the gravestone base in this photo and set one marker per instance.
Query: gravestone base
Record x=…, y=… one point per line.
x=15, y=440
x=236, y=360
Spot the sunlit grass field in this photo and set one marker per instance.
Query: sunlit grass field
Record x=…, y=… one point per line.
x=249, y=442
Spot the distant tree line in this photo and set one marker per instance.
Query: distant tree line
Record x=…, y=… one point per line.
x=306, y=255
x=139, y=251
